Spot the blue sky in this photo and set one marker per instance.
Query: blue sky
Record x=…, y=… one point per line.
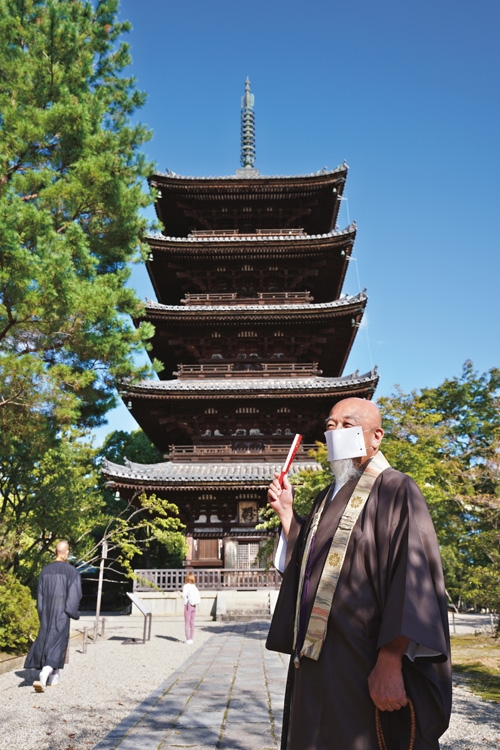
x=407, y=94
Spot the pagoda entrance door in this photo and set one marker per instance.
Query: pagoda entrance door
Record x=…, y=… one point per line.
x=206, y=553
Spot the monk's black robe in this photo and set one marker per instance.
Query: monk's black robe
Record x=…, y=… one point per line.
x=391, y=585
x=58, y=596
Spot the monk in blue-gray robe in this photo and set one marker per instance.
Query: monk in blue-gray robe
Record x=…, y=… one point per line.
x=58, y=596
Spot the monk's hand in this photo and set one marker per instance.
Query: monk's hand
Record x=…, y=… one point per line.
x=280, y=498
x=385, y=681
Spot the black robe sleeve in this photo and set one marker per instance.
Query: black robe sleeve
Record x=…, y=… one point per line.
x=413, y=587
x=414, y=600
x=73, y=596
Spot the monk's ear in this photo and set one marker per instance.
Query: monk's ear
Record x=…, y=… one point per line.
x=377, y=436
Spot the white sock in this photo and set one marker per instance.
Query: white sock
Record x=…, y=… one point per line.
x=53, y=678
x=44, y=674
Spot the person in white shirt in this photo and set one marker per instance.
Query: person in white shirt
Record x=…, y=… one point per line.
x=191, y=600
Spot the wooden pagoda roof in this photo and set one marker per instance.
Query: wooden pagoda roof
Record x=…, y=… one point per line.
x=267, y=243
x=249, y=202
x=337, y=321
x=329, y=252
x=186, y=476
x=235, y=388
x=168, y=410
x=272, y=314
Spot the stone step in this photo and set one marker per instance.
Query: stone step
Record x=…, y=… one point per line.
x=238, y=617
x=244, y=605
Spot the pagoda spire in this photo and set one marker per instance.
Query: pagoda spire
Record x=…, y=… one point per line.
x=247, y=158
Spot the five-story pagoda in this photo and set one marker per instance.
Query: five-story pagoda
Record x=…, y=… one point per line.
x=253, y=332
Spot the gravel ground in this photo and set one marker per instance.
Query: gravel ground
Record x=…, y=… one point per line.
x=475, y=724
x=100, y=688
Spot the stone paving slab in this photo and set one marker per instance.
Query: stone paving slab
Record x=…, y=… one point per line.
x=254, y=716
x=227, y=696
x=256, y=737
x=201, y=719
x=136, y=740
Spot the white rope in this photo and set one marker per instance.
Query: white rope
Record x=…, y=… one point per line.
x=365, y=324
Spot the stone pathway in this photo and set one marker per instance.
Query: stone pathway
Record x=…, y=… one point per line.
x=228, y=695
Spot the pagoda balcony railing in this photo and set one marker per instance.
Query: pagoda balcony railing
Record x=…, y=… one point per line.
x=235, y=453
x=248, y=370
x=236, y=233
x=259, y=298
x=207, y=578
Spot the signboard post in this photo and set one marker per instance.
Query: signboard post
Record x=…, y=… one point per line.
x=104, y=555
x=147, y=619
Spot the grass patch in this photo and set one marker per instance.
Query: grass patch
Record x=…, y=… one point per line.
x=477, y=658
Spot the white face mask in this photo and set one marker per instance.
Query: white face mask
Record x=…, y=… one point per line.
x=345, y=443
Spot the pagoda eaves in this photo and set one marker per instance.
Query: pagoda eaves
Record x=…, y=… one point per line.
x=323, y=332
x=220, y=493
x=184, y=475
x=192, y=264
x=226, y=412
x=235, y=387
x=249, y=203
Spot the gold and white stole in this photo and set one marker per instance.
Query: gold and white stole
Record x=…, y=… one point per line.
x=318, y=620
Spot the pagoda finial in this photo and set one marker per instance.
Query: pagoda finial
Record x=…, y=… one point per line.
x=247, y=158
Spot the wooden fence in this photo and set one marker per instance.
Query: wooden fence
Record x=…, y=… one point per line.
x=207, y=578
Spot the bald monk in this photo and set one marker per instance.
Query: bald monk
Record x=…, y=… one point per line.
x=58, y=596
x=362, y=606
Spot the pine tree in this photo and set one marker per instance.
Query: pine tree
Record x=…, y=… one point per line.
x=71, y=190
x=71, y=199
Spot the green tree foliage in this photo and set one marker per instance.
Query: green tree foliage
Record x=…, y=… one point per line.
x=71, y=177
x=49, y=490
x=136, y=525
x=62, y=495
x=308, y=483
x=135, y=446
x=71, y=196
x=447, y=438
x=157, y=549
x=18, y=615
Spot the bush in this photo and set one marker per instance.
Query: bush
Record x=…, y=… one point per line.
x=18, y=616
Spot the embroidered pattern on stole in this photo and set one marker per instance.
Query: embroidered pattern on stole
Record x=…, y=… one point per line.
x=316, y=628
